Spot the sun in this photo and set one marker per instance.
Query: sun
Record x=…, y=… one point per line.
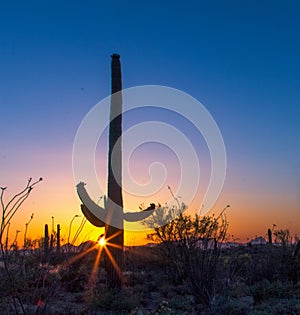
x=101, y=240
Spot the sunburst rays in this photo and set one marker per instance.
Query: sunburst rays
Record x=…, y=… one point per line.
x=103, y=245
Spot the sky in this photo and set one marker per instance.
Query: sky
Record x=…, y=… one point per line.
x=240, y=59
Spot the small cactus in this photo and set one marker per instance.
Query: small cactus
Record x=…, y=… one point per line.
x=269, y=236
x=58, y=238
x=46, y=240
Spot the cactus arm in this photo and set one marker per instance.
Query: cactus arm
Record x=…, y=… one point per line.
x=91, y=217
x=94, y=213
x=137, y=216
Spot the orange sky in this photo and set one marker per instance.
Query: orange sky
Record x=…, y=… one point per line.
x=249, y=214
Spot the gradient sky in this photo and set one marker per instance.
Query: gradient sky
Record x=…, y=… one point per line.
x=240, y=59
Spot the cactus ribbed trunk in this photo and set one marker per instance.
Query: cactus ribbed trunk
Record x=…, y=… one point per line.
x=115, y=235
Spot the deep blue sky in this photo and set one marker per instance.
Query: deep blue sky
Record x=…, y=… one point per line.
x=239, y=58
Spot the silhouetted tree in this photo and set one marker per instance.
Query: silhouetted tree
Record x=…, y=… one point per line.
x=9, y=209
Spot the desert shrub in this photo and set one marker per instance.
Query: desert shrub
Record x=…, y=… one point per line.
x=237, y=306
x=191, y=246
x=181, y=304
x=75, y=279
x=264, y=290
x=235, y=263
x=278, y=307
x=166, y=289
x=239, y=289
x=107, y=299
x=255, y=263
x=4, y=305
x=164, y=308
x=261, y=291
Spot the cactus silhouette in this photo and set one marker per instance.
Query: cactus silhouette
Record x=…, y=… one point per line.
x=58, y=238
x=46, y=240
x=269, y=236
x=112, y=215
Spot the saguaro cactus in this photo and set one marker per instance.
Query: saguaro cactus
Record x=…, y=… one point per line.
x=115, y=234
x=112, y=215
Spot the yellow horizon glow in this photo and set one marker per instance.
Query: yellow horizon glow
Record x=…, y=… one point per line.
x=247, y=217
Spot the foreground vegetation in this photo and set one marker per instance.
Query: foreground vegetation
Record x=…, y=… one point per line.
x=247, y=280
x=190, y=269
